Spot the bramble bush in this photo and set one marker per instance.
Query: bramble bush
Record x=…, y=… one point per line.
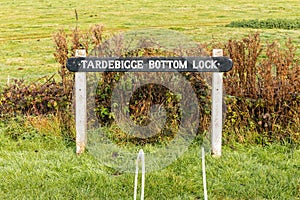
x=19, y=98
x=37, y=99
x=152, y=94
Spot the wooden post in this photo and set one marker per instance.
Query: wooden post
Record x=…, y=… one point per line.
x=80, y=107
x=217, y=104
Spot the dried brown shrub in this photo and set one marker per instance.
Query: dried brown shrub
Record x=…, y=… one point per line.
x=264, y=87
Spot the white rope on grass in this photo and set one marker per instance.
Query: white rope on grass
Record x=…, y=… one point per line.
x=140, y=157
x=204, y=174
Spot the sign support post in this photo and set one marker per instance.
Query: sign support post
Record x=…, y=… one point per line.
x=217, y=109
x=80, y=107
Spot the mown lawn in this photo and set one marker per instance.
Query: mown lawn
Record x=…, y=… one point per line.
x=46, y=167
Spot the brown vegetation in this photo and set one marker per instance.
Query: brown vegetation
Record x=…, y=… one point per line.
x=262, y=90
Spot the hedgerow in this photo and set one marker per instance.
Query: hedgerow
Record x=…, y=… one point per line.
x=262, y=91
x=267, y=24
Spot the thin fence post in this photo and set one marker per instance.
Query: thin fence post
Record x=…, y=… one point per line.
x=80, y=107
x=204, y=173
x=217, y=104
x=140, y=158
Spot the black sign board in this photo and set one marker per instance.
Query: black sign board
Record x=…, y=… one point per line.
x=153, y=64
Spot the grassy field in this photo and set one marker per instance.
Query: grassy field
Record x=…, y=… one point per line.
x=37, y=167
x=27, y=27
x=33, y=166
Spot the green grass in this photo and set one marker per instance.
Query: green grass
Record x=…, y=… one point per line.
x=46, y=167
x=27, y=27
x=33, y=166
x=37, y=165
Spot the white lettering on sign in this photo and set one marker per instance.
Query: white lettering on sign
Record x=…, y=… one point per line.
x=205, y=64
x=83, y=62
x=168, y=64
x=98, y=64
x=112, y=64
